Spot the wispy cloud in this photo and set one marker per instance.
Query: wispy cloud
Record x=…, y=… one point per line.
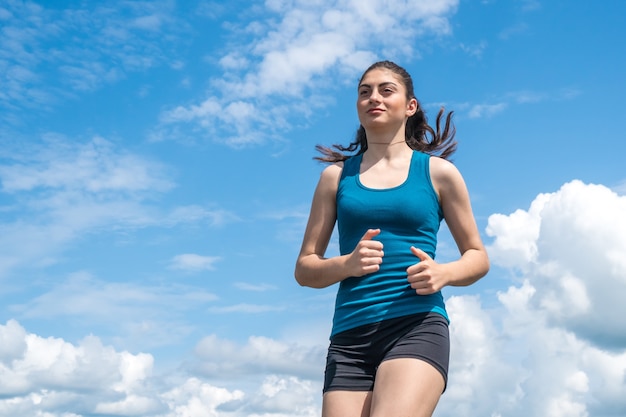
x=513, y=30
x=130, y=313
x=513, y=98
x=289, y=52
x=192, y=262
x=57, y=190
x=46, y=50
x=259, y=355
x=95, y=166
x=254, y=287
x=485, y=110
x=246, y=308
x=528, y=96
x=475, y=50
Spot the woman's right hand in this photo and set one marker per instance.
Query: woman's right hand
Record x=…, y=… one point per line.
x=366, y=256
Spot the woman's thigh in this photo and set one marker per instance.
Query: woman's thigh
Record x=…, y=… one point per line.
x=406, y=387
x=346, y=404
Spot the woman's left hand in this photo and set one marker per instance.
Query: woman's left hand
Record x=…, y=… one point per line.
x=427, y=276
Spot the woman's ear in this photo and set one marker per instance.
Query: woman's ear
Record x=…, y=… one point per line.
x=411, y=107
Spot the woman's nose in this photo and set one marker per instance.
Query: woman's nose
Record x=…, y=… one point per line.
x=374, y=97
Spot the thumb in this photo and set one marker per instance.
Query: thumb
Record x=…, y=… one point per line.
x=370, y=234
x=423, y=256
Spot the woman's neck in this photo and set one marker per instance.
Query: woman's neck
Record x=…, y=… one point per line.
x=385, y=136
x=386, y=144
x=389, y=151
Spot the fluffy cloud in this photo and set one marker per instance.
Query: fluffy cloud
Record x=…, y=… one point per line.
x=53, y=378
x=553, y=344
x=548, y=345
x=294, y=48
x=260, y=356
x=49, y=374
x=572, y=244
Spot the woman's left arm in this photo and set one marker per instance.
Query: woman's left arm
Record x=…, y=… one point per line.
x=428, y=276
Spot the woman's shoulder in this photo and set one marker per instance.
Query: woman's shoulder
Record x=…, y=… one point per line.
x=441, y=166
x=331, y=174
x=333, y=169
x=444, y=173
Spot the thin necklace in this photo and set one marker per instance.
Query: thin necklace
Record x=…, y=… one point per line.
x=385, y=143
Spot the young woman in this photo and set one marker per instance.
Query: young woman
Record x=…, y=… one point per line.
x=389, y=344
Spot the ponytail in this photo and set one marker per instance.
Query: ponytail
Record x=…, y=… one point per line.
x=419, y=135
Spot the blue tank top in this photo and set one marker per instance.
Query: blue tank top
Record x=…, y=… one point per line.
x=408, y=215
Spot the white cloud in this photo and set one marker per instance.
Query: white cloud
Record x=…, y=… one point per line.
x=303, y=46
x=620, y=188
x=516, y=235
x=554, y=344
x=551, y=344
x=143, y=316
x=259, y=356
x=474, y=50
x=53, y=378
x=150, y=22
x=195, y=213
x=195, y=398
x=554, y=341
x=513, y=31
x=82, y=48
x=57, y=191
x=254, y=287
x=50, y=374
x=194, y=263
x=522, y=97
x=12, y=341
x=580, y=269
x=246, y=308
x=478, y=353
x=486, y=110
x=83, y=295
x=527, y=96
x=284, y=397
x=234, y=60
x=94, y=166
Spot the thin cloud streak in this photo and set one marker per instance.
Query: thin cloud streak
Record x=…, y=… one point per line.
x=46, y=50
x=192, y=262
x=60, y=190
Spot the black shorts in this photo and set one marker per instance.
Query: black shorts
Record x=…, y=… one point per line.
x=354, y=355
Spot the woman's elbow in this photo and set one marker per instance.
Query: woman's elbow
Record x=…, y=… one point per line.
x=485, y=265
x=300, y=275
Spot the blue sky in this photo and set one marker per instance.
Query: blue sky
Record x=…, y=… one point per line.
x=156, y=174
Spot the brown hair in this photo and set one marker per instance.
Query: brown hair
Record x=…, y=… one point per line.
x=419, y=135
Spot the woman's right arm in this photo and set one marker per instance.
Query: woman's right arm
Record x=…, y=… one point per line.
x=312, y=268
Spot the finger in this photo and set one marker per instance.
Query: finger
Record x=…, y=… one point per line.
x=423, y=256
x=371, y=265
x=372, y=252
x=370, y=234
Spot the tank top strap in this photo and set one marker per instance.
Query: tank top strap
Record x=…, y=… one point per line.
x=351, y=166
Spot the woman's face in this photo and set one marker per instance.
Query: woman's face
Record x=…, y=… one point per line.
x=382, y=101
